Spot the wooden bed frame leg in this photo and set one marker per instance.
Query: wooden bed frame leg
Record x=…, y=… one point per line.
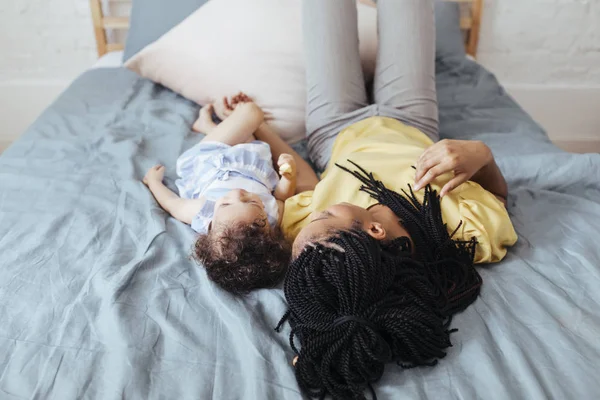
x=476, y=14
x=99, y=32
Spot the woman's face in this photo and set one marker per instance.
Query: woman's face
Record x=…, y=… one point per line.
x=323, y=225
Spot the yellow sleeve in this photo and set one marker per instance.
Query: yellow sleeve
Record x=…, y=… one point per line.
x=296, y=214
x=485, y=217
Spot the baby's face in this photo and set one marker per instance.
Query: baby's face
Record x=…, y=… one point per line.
x=239, y=206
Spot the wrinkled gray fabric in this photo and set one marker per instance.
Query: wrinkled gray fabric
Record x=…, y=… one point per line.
x=99, y=300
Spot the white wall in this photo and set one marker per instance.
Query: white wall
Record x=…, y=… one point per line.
x=543, y=42
x=43, y=46
x=546, y=52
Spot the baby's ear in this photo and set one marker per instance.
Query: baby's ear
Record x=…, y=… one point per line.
x=376, y=230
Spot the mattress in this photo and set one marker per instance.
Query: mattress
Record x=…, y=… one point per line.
x=99, y=298
x=113, y=59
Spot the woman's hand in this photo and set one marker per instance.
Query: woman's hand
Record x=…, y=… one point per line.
x=154, y=174
x=225, y=107
x=463, y=157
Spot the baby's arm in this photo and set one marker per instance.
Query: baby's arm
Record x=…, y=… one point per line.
x=239, y=126
x=205, y=124
x=280, y=209
x=183, y=210
x=306, y=178
x=286, y=187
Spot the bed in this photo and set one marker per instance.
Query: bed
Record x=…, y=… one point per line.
x=100, y=300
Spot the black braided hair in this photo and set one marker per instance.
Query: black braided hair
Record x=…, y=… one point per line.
x=450, y=261
x=356, y=303
x=356, y=310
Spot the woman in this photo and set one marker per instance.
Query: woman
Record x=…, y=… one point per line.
x=380, y=266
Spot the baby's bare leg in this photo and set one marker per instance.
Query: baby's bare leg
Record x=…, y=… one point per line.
x=251, y=139
x=204, y=123
x=239, y=126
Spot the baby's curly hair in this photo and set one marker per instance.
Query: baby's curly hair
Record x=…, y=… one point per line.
x=241, y=258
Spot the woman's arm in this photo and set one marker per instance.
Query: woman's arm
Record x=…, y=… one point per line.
x=183, y=210
x=469, y=160
x=306, y=179
x=237, y=127
x=491, y=179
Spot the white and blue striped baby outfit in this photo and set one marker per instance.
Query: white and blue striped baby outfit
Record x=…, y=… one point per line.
x=212, y=169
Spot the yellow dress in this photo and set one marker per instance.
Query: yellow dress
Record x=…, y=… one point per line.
x=389, y=149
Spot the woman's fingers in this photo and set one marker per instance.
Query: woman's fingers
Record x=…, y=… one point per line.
x=424, y=165
x=433, y=173
x=425, y=154
x=429, y=159
x=454, y=183
x=431, y=156
x=433, y=149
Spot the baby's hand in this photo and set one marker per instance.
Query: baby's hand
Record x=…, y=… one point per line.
x=154, y=174
x=225, y=106
x=287, y=184
x=287, y=166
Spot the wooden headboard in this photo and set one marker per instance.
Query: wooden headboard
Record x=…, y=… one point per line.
x=470, y=24
x=104, y=22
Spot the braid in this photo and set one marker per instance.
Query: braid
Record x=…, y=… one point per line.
x=356, y=309
x=450, y=262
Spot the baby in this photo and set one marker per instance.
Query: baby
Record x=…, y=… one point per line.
x=231, y=195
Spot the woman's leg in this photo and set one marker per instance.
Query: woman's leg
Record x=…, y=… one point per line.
x=335, y=84
x=404, y=85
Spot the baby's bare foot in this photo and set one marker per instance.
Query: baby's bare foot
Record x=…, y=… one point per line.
x=204, y=123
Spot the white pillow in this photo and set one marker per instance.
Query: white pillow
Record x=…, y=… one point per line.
x=253, y=46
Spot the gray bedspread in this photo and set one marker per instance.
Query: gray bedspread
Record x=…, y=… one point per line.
x=100, y=300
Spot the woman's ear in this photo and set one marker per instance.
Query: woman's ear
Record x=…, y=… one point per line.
x=376, y=231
